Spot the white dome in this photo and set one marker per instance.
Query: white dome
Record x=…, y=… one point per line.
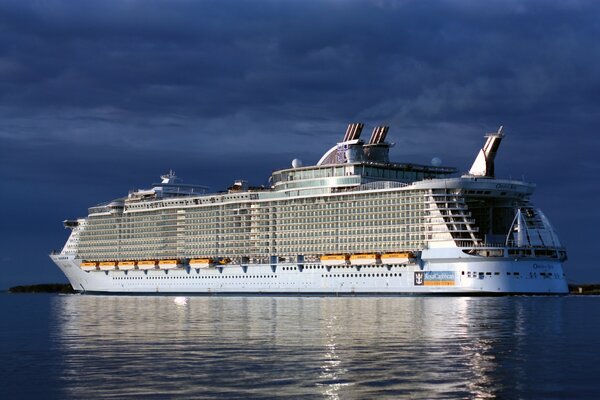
x=296, y=163
x=436, y=161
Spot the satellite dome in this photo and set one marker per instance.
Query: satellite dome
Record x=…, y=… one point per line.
x=436, y=161
x=296, y=163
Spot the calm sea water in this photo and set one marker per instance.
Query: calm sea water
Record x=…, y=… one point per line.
x=77, y=347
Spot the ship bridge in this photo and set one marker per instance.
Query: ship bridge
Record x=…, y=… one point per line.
x=170, y=186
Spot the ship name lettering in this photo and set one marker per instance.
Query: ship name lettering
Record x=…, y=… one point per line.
x=505, y=186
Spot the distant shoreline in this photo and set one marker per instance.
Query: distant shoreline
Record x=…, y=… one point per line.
x=590, y=288
x=43, y=288
x=586, y=289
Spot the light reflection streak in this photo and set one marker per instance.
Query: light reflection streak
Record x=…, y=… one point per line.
x=180, y=301
x=331, y=370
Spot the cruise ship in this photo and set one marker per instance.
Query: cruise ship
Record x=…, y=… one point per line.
x=355, y=223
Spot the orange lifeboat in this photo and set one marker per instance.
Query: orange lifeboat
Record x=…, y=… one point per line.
x=397, y=258
x=89, y=265
x=107, y=265
x=126, y=265
x=167, y=264
x=201, y=262
x=146, y=264
x=335, y=259
x=364, y=259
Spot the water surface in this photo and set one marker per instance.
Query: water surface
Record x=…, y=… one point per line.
x=73, y=346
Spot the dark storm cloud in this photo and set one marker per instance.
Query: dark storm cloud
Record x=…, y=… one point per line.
x=381, y=60
x=89, y=89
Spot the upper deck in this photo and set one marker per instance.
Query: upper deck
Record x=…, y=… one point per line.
x=353, y=174
x=353, y=162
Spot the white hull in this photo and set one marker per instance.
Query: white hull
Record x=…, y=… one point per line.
x=436, y=276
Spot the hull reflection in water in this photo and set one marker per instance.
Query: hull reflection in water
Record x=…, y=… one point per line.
x=304, y=347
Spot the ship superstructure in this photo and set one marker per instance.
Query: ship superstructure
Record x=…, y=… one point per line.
x=353, y=223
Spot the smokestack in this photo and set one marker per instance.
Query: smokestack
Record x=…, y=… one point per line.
x=379, y=134
x=382, y=133
x=347, y=135
x=377, y=150
x=374, y=135
x=357, y=131
x=353, y=132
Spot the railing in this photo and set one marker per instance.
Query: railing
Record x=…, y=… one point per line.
x=470, y=244
x=379, y=185
x=479, y=245
x=500, y=250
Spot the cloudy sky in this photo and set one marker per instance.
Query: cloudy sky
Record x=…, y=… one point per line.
x=100, y=97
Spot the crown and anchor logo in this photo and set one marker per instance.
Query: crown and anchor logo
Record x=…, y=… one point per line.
x=419, y=278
